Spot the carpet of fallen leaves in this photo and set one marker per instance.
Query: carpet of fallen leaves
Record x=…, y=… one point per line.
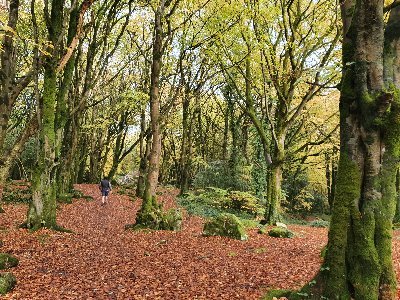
x=101, y=260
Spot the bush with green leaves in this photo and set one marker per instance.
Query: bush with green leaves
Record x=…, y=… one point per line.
x=8, y=261
x=7, y=282
x=222, y=175
x=303, y=196
x=17, y=192
x=214, y=201
x=244, y=201
x=319, y=223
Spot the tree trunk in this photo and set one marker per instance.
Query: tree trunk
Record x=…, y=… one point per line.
x=274, y=182
x=396, y=218
x=149, y=199
x=66, y=142
x=144, y=151
x=42, y=210
x=7, y=72
x=358, y=262
x=183, y=166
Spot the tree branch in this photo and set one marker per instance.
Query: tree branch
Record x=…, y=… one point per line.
x=84, y=7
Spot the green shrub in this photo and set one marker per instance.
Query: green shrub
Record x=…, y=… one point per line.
x=7, y=261
x=280, y=232
x=214, y=201
x=17, y=193
x=243, y=201
x=65, y=198
x=7, y=283
x=223, y=175
x=319, y=223
x=225, y=225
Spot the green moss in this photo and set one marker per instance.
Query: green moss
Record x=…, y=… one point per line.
x=319, y=223
x=77, y=194
x=334, y=271
x=263, y=230
x=154, y=217
x=280, y=232
x=7, y=261
x=87, y=198
x=7, y=283
x=225, y=225
x=276, y=294
x=65, y=198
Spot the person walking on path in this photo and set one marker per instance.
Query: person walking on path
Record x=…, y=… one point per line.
x=105, y=188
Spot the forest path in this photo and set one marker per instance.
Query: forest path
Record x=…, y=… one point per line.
x=101, y=260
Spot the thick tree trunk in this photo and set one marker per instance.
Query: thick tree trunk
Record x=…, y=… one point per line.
x=7, y=72
x=358, y=262
x=149, y=199
x=66, y=141
x=274, y=183
x=42, y=210
x=273, y=200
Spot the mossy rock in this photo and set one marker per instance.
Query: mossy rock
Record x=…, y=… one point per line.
x=225, y=225
x=157, y=219
x=280, y=232
x=7, y=283
x=7, y=261
x=263, y=230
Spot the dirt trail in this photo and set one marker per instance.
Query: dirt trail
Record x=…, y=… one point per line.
x=101, y=260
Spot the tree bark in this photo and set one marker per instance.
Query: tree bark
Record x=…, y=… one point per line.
x=155, y=152
x=7, y=72
x=358, y=262
x=42, y=210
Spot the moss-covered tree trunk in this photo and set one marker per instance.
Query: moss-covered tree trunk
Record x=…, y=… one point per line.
x=7, y=72
x=149, y=197
x=274, y=184
x=64, y=123
x=358, y=262
x=42, y=210
x=396, y=218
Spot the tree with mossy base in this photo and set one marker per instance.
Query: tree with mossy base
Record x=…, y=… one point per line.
x=151, y=215
x=358, y=263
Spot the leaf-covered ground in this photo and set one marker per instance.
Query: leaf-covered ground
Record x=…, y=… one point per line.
x=101, y=260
